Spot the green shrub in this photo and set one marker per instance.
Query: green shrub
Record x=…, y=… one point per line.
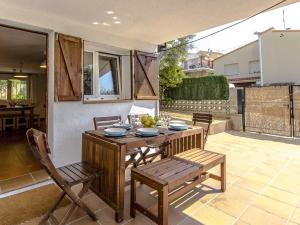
x=201, y=88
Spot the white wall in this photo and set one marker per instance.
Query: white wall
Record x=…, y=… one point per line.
x=280, y=53
x=241, y=56
x=68, y=120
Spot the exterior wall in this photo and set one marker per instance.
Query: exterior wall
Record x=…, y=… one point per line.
x=280, y=54
x=67, y=120
x=70, y=119
x=242, y=56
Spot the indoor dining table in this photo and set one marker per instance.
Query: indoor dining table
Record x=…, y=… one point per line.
x=108, y=154
x=20, y=109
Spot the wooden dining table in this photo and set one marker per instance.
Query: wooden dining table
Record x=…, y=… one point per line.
x=22, y=110
x=108, y=154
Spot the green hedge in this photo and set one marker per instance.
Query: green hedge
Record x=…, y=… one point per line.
x=201, y=88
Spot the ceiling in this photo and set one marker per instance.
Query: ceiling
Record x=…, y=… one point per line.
x=18, y=47
x=153, y=21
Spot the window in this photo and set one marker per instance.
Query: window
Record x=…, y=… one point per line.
x=101, y=77
x=231, y=69
x=18, y=89
x=254, y=67
x=3, y=89
x=108, y=75
x=88, y=73
x=13, y=89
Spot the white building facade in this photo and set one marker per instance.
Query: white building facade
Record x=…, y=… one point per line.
x=271, y=59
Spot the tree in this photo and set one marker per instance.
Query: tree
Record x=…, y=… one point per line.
x=170, y=72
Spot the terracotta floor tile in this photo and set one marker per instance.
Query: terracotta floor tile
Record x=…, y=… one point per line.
x=94, y=202
x=256, y=216
x=233, y=201
x=281, y=195
x=273, y=206
x=78, y=213
x=107, y=217
x=84, y=221
x=296, y=216
x=292, y=223
x=240, y=222
x=210, y=215
x=250, y=184
x=190, y=221
x=139, y=220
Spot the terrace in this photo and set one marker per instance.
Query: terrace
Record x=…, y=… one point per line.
x=263, y=188
x=93, y=71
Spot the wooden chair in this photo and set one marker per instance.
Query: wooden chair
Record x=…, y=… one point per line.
x=103, y=122
x=108, y=121
x=151, y=152
x=65, y=177
x=173, y=177
x=135, y=118
x=205, y=119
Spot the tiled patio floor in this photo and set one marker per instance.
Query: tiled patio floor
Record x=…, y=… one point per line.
x=263, y=180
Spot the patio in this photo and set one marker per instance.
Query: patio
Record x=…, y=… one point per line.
x=262, y=187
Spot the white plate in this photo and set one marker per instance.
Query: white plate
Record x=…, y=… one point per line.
x=122, y=125
x=115, y=135
x=115, y=131
x=177, y=121
x=178, y=126
x=148, y=131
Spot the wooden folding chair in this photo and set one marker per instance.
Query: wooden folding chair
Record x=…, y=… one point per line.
x=104, y=122
x=205, y=119
x=65, y=177
x=107, y=121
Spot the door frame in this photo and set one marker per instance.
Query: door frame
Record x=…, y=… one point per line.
x=47, y=62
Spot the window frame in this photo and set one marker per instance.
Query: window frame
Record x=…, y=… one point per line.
x=232, y=64
x=9, y=90
x=96, y=96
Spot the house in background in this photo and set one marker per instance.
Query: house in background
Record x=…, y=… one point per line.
x=279, y=56
x=200, y=64
x=261, y=61
x=241, y=66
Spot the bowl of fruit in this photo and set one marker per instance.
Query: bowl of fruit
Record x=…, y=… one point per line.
x=149, y=121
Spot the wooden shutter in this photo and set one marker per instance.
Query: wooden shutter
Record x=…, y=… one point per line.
x=146, y=76
x=68, y=68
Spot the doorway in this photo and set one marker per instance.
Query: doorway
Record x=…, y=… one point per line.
x=23, y=104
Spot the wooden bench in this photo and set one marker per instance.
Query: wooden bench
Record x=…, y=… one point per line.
x=173, y=173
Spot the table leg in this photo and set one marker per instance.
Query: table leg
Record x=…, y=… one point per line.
x=119, y=215
x=31, y=118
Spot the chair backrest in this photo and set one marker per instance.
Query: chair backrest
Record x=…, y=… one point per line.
x=108, y=121
x=202, y=118
x=37, y=141
x=135, y=118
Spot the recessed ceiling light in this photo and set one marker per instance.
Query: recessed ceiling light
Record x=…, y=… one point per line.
x=95, y=23
x=110, y=12
x=20, y=76
x=105, y=24
x=117, y=22
x=115, y=17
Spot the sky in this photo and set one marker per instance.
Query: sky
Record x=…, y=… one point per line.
x=243, y=33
